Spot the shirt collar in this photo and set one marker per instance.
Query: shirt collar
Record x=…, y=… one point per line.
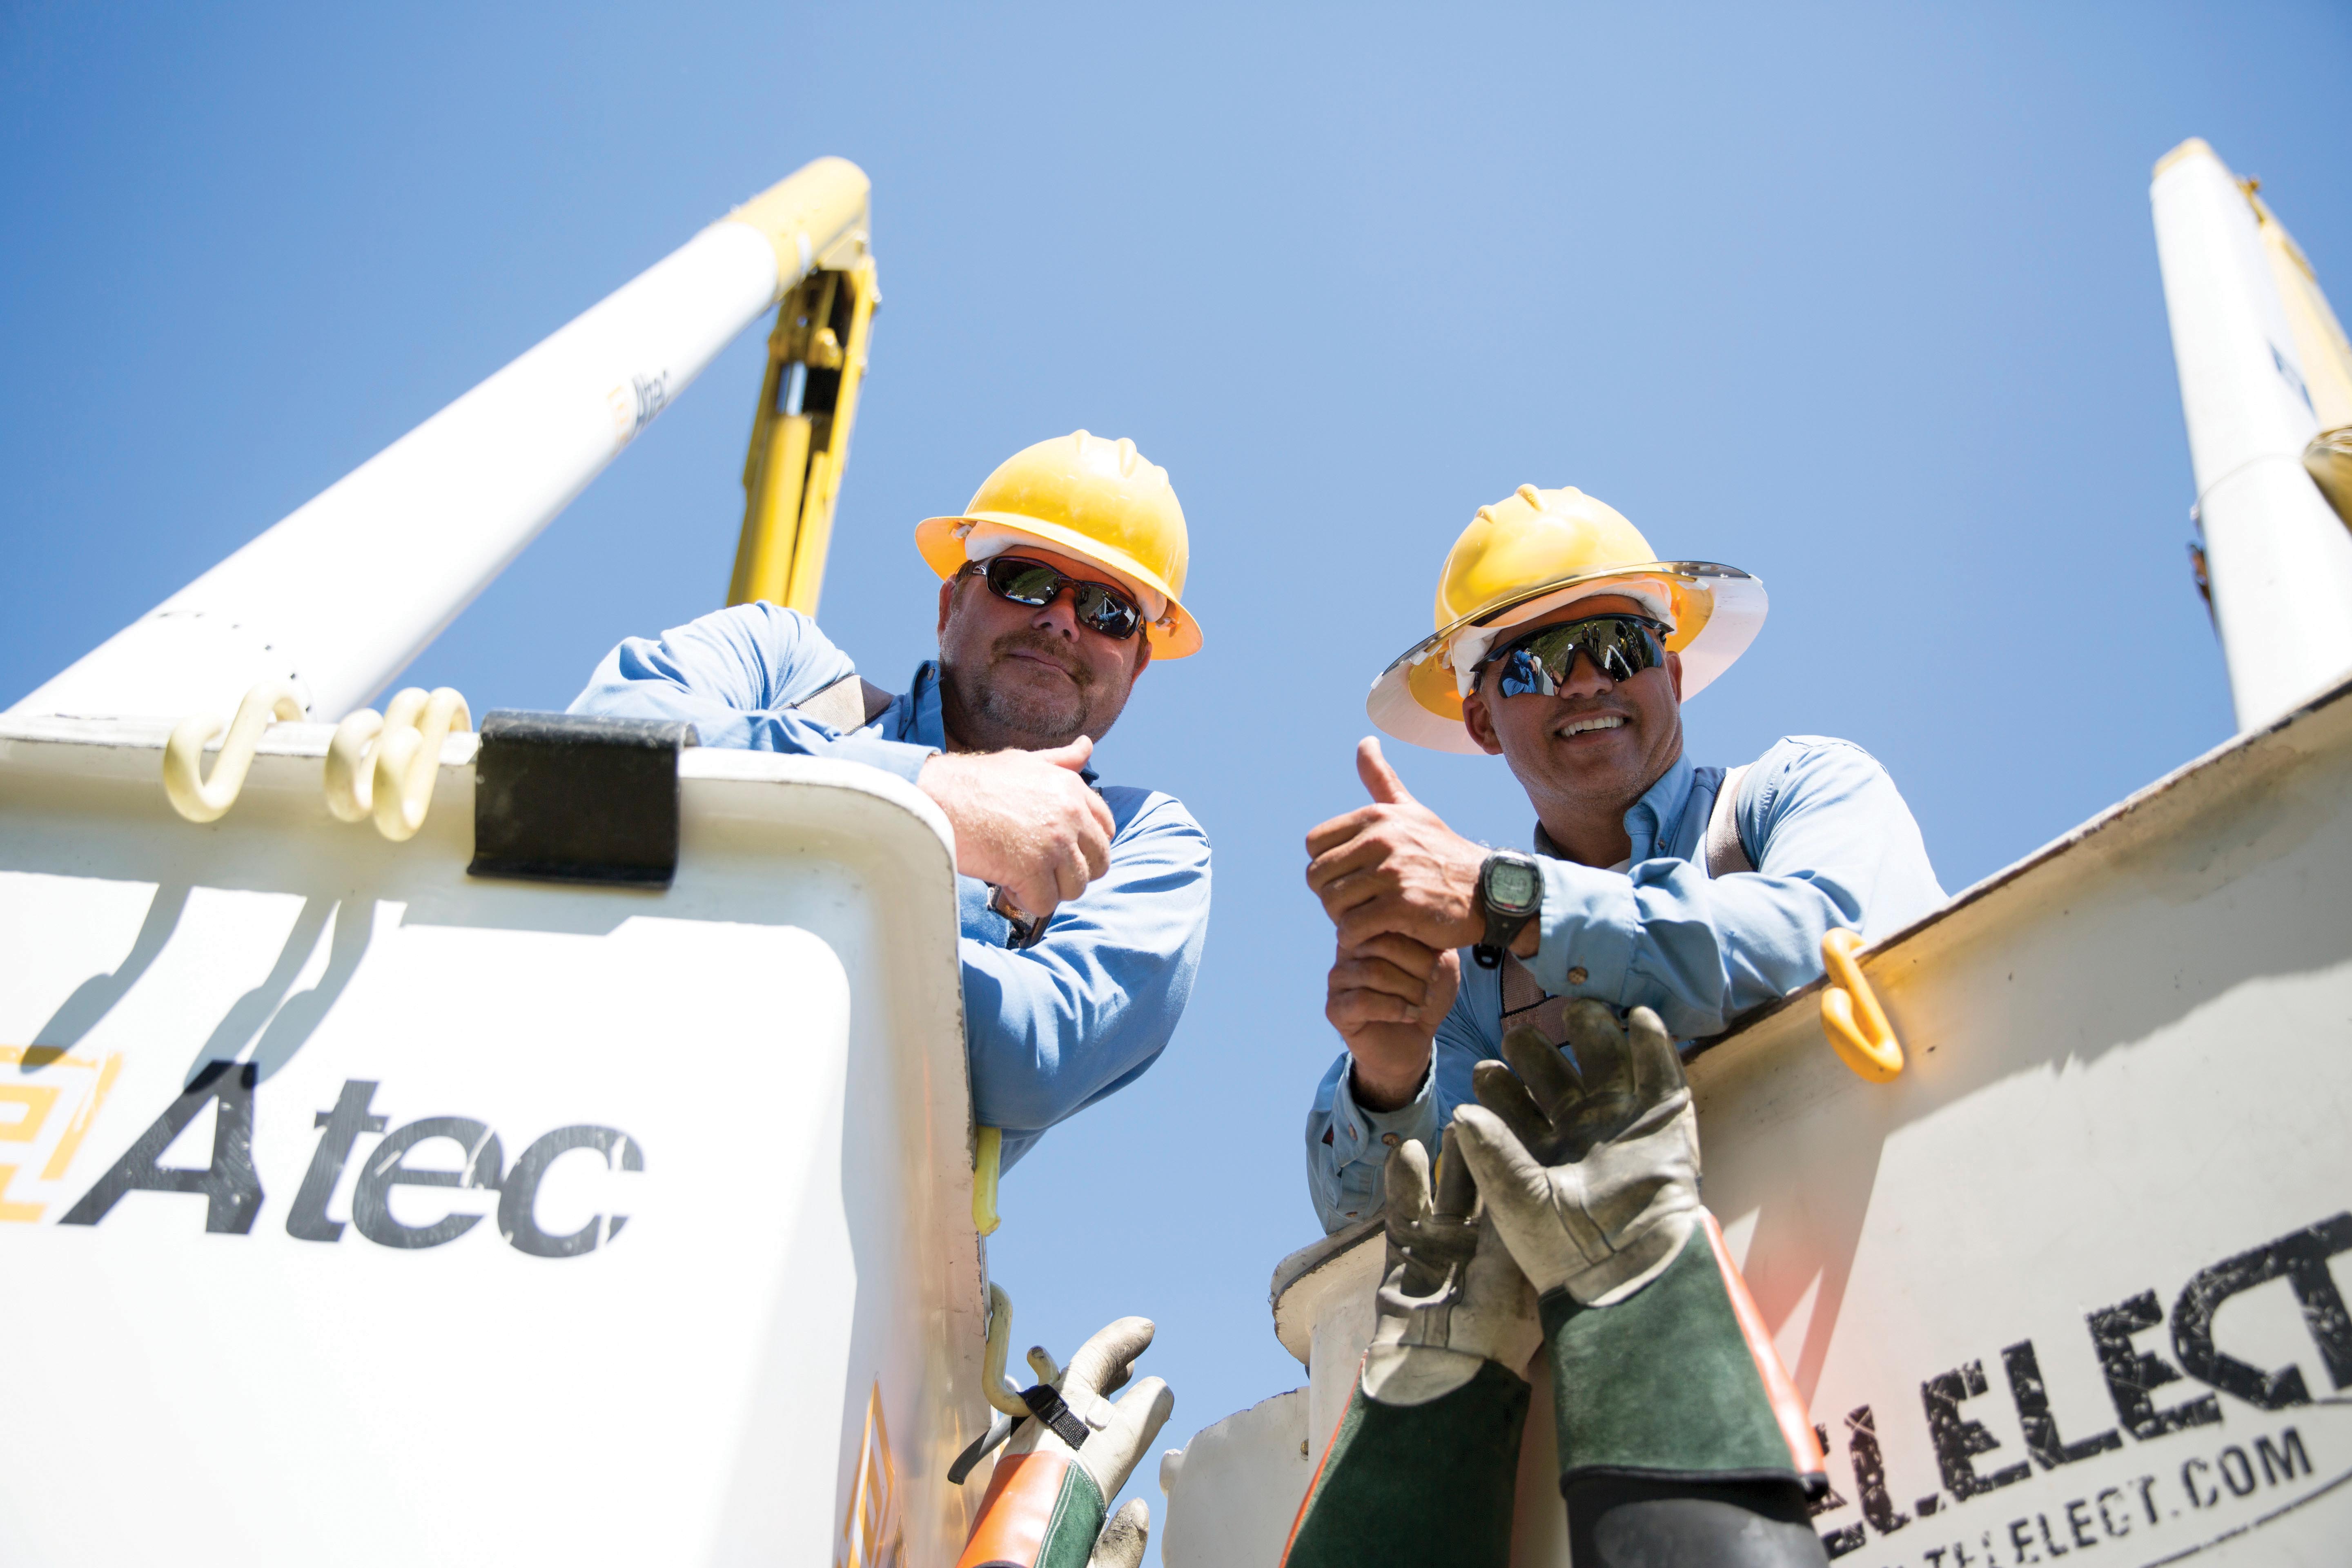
x=918, y=710
x=1654, y=822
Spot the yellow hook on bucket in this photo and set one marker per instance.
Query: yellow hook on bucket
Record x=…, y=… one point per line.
x=995, y=1387
x=192, y=794
x=1851, y=1015
x=987, y=1162
x=385, y=766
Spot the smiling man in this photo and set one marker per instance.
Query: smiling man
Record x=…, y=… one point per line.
x=1566, y=648
x=1083, y=906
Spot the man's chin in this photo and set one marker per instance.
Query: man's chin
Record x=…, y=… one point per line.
x=1594, y=765
x=1038, y=723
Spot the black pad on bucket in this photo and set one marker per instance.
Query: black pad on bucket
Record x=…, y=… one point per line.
x=562, y=797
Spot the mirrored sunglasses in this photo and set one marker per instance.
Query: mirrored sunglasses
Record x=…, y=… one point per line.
x=1537, y=665
x=1036, y=585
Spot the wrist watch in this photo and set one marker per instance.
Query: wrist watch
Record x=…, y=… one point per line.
x=1511, y=891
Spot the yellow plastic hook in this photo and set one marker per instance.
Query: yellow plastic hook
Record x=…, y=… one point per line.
x=987, y=1159
x=408, y=762
x=1851, y=1015
x=207, y=800
x=1000, y=1390
x=385, y=767
x=351, y=755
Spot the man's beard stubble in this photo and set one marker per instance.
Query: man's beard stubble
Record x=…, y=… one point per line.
x=987, y=715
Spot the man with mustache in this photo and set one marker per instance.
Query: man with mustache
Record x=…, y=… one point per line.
x=1083, y=906
x=1566, y=648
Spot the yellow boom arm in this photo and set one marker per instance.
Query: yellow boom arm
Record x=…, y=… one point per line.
x=800, y=436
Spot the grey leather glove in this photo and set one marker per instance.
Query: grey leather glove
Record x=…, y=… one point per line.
x=1588, y=1161
x=1451, y=1298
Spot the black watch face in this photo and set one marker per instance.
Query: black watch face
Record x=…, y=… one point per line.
x=1513, y=888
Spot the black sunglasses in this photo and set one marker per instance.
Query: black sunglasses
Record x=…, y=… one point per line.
x=1036, y=585
x=1620, y=647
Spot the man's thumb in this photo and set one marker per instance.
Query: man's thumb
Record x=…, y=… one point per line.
x=1378, y=776
x=1120, y=1544
x=1072, y=756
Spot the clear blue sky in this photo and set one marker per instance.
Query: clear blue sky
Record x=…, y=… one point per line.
x=1862, y=299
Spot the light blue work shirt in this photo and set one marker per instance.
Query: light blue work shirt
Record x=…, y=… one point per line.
x=1048, y=1030
x=1833, y=844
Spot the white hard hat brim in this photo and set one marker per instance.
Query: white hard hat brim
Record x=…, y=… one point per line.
x=1736, y=603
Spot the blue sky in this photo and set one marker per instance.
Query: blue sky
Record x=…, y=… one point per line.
x=1863, y=299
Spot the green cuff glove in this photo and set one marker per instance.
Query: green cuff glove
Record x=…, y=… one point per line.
x=1425, y=1462
x=1671, y=1446
x=1662, y=1383
x=1418, y=1484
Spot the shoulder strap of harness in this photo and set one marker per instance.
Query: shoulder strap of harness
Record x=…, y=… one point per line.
x=1525, y=1002
x=850, y=703
x=1725, y=853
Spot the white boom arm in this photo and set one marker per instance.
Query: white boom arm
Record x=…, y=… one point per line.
x=2278, y=559
x=339, y=597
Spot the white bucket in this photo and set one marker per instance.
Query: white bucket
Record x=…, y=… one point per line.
x=739, y=1319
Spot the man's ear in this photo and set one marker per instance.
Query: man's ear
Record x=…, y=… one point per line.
x=1142, y=653
x=1481, y=723
x=947, y=598
x=1675, y=673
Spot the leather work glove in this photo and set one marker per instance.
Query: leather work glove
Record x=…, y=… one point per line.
x=1681, y=1437
x=1451, y=1298
x=1422, y=1466
x=1044, y=1505
x=1590, y=1166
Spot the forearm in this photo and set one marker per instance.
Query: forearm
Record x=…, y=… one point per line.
x=735, y=676
x=1044, y=1042
x=717, y=724
x=1834, y=845
x=1055, y=1027
x=1700, y=951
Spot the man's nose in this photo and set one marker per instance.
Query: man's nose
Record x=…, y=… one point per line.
x=1585, y=679
x=1059, y=614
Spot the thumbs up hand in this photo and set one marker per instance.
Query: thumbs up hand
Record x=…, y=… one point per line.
x=1402, y=887
x=1394, y=867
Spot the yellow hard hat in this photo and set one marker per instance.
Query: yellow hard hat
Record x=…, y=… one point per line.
x=1082, y=495
x=1530, y=554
